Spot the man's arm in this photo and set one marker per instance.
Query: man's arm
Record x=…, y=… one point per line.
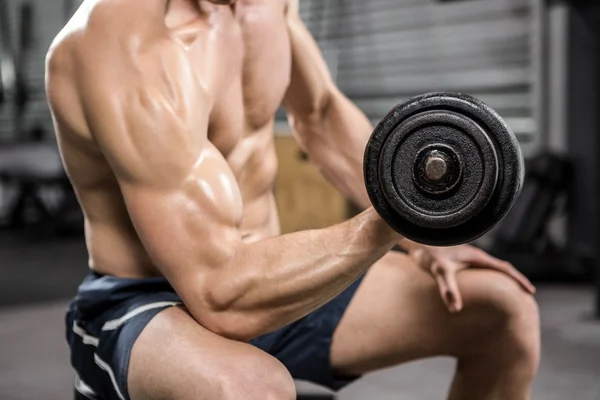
x=330, y=128
x=334, y=133
x=184, y=202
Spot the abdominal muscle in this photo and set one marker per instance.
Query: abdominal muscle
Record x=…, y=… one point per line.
x=113, y=245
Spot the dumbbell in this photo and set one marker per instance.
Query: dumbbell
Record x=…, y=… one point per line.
x=443, y=168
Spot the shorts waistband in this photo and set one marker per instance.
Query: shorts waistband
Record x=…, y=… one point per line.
x=98, y=292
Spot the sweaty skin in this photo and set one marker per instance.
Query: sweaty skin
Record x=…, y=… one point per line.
x=164, y=113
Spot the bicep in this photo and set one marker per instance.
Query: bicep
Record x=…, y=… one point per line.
x=187, y=232
x=154, y=137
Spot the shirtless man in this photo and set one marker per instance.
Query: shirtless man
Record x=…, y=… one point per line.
x=164, y=113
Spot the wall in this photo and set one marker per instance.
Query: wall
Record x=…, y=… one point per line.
x=383, y=51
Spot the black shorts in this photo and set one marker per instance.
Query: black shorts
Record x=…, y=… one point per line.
x=108, y=314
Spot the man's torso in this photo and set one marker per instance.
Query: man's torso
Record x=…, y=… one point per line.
x=242, y=57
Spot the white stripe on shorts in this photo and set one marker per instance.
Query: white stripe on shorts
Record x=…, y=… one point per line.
x=109, y=326
x=115, y=323
x=87, y=338
x=84, y=389
x=91, y=340
x=103, y=365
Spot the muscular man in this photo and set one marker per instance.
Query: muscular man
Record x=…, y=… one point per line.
x=164, y=113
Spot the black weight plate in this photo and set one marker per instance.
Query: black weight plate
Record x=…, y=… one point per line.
x=509, y=158
x=471, y=145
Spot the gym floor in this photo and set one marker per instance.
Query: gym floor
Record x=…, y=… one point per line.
x=39, y=275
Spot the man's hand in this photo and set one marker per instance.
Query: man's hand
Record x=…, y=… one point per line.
x=444, y=263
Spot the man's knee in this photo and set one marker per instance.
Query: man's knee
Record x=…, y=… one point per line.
x=250, y=378
x=256, y=378
x=506, y=313
x=501, y=296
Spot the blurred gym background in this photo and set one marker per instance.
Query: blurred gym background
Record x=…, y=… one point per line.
x=537, y=62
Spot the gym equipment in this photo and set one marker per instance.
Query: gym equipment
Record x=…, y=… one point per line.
x=31, y=169
x=524, y=237
x=546, y=183
x=83, y=392
x=22, y=94
x=443, y=168
x=3, y=45
x=7, y=64
x=79, y=396
x=2, y=96
x=14, y=86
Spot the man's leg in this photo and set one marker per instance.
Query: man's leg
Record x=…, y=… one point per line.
x=397, y=315
x=175, y=358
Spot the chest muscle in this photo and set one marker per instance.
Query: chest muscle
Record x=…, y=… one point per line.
x=248, y=98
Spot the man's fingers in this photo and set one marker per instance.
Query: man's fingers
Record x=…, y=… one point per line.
x=487, y=261
x=520, y=278
x=448, y=286
x=511, y=271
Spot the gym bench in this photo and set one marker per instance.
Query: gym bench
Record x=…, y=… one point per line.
x=82, y=392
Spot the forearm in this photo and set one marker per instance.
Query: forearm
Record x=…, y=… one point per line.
x=274, y=282
x=329, y=127
x=335, y=138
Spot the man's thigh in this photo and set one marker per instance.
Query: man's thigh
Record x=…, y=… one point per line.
x=304, y=346
x=397, y=315
x=176, y=358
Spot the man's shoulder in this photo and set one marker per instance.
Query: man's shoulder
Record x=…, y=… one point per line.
x=115, y=21
x=90, y=19
x=101, y=30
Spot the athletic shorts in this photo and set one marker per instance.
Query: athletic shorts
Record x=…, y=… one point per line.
x=105, y=318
